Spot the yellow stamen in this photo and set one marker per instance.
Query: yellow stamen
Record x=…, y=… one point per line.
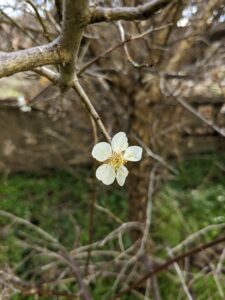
x=116, y=160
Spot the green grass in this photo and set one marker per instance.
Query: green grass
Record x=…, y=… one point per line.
x=58, y=202
x=193, y=199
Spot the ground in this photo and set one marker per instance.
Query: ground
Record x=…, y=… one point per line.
x=58, y=202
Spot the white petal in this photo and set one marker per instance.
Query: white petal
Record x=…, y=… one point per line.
x=25, y=108
x=106, y=174
x=119, y=142
x=102, y=151
x=133, y=153
x=121, y=175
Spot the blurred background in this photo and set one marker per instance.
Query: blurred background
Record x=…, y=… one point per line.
x=162, y=82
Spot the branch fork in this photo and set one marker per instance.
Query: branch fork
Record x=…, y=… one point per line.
x=63, y=51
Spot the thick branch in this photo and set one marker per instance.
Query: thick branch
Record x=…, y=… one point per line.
x=76, y=16
x=75, y=19
x=141, y=12
x=24, y=60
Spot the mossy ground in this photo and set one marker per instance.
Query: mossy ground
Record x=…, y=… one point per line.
x=58, y=202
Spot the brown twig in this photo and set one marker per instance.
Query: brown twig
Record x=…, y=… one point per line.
x=118, y=45
x=188, y=107
x=91, y=225
x=45, y=31
x=168, y=263
x=25, y=32
x=85, y=99
x=62, y=251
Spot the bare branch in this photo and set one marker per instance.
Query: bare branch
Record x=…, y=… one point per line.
x=45, y=30
x=141, y=12
x=200, y=24
x=170, y=262
x=24, y=60
x=75, y=19
x=54, y=77
x=62, y=251
x=78, y=88
x=118, y=45
x=25, y=32
x=181, y=277
x=154, y=156
x=148, y=209
x=188, y=107
x=47, y=73
x=196, y=235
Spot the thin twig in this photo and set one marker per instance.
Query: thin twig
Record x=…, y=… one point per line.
x=188, y=107
x=25, y=32
x=148, y=209
x=91, y=225
x=196, y=235
x=181, y=277
x=118, y=45
x=62, y=251
x=126, y=49
x=87, y=102
x=109, y=213
x=47, y=73
x=155, y=156
x=170, y=262
x=45, y=31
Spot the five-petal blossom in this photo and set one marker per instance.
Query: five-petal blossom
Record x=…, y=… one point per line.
x=114, y=157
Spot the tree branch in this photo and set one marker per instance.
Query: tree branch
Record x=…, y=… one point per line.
x=39, y=18
x=168, y=263
x=199, y=26
x=75, y=19
x=141, y=12
x=64, y=50
x=118, y=45
x=24, y=60
x=84, y=291
x=47, y=73
x=84, y=98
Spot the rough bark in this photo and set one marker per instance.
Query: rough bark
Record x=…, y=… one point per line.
x=141, y=12
x=24, y=60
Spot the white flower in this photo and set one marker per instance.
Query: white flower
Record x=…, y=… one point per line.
x=23, y=104
x=114, y=158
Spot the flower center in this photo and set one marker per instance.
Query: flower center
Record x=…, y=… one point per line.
x=116, y=160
